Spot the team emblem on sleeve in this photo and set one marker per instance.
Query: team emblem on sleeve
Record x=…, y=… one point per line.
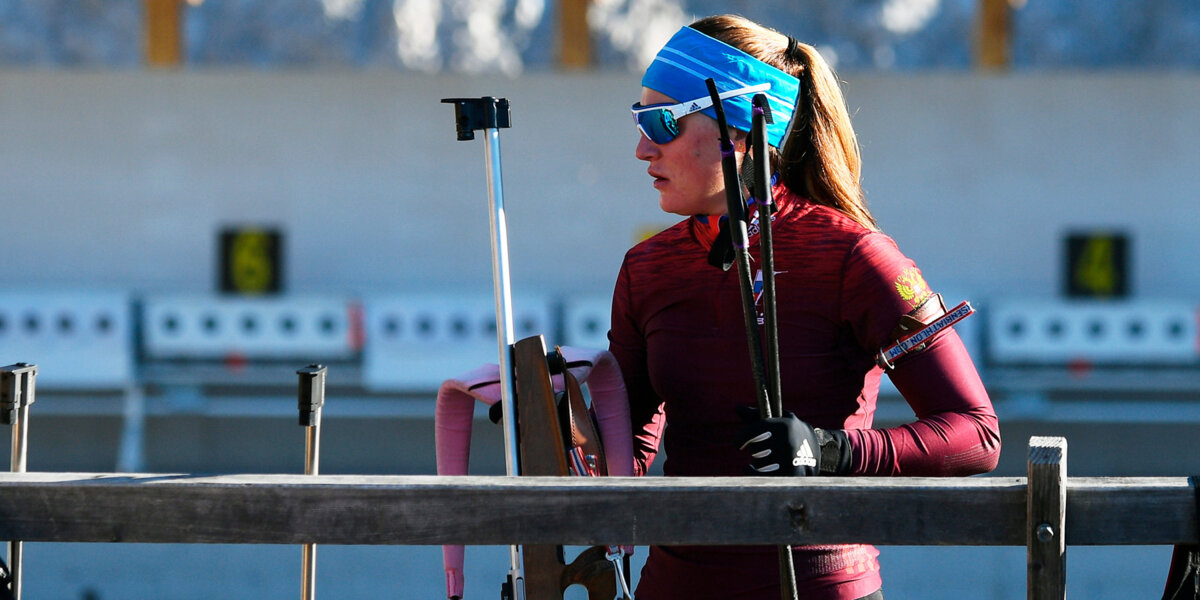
x=912, y=287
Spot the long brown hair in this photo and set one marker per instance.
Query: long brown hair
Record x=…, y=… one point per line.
x=820, y=159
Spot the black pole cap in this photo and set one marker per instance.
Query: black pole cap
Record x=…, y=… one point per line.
x=16, y=383
x=471, y=114
x=311, y=395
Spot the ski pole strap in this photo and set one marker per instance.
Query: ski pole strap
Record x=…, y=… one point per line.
x=917, y=339
x=619, y=558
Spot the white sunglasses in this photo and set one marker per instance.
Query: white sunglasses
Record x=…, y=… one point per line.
x=660, y=122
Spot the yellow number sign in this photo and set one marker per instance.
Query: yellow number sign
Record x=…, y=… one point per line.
x=250, y=261
x=1096, y=265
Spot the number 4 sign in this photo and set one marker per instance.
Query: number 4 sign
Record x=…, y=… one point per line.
x=1097, y=265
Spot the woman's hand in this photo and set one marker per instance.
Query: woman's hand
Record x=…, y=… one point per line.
x=786, y=445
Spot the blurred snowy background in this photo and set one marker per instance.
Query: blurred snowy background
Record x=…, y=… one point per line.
x=511, y=36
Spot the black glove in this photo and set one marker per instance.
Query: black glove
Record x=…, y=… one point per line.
x=788, y=446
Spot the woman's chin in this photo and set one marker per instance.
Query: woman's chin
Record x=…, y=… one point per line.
x=672, y=208
x=670, y=204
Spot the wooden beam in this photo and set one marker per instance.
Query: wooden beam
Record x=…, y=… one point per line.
x=1093, y=503
x=575, y=43
x=994, y=34
x=428, y=510
x=417, y=510
x=163, y=31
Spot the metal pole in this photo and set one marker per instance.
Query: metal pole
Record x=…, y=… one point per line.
x=505, y=335
x=311, y=399
x=490, y=115
x=17, y=385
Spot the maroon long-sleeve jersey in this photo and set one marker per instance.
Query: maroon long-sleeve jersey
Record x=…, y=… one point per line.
x=678, y=333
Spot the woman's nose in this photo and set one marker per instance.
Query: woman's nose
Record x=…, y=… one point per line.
x=645, y=149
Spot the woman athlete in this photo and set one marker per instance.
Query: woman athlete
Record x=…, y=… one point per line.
x=844, y=291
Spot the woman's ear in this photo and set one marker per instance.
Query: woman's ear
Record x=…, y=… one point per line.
x=740, y=140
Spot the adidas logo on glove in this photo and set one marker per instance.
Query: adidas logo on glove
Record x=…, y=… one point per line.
x=804, y=456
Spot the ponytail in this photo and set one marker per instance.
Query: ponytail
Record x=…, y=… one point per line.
x=820, y=159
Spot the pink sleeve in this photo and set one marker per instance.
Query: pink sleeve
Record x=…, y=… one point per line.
x=453, y=413
x=956, y=432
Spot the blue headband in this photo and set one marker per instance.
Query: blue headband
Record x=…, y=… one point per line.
x=690, y=57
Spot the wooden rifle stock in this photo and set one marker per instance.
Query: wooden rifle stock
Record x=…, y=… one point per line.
x=543, y=452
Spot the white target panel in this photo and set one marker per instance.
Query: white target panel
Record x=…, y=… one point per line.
x=1116, y=332
x=79, y=339
x=415, y=341
x=206, y=327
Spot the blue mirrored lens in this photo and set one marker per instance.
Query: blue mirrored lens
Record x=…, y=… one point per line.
x=658, y=125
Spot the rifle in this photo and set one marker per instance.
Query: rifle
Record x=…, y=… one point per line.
x=534, y=445
x=545, y=421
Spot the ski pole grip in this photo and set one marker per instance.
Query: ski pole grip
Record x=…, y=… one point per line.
x=311, y=394
x=16, y=390
x=472, y=114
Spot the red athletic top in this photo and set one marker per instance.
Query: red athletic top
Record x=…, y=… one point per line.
x=679, y=336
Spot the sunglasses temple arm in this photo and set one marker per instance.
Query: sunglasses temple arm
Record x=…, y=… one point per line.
x=710, y=100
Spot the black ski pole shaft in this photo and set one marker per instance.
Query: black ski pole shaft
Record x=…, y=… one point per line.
x=736, y=207
x=310, y=399
x=737, y=229
x=17, y=385
x=764, y=198
x=491, y=114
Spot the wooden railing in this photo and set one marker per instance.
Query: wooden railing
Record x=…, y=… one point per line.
x=475, y=510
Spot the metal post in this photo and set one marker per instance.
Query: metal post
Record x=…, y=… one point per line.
x=16, y=394
x=311, y=399
x=491, y=114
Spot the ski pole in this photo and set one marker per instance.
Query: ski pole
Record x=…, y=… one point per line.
x=490, y=115
x=764, y=198
x=737, y=229
x=311, y=398
x=16, y=394
x=736, y=207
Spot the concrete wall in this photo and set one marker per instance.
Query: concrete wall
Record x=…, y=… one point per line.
x=123, y=178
